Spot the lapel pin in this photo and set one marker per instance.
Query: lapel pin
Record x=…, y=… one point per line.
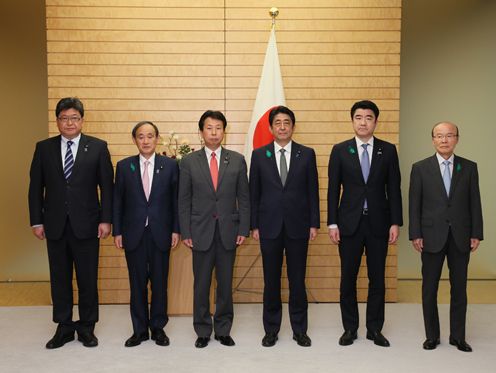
x=298, y=153
x=86, y=147
x=351, y=149
x=268, y=154
x=133, y=167
x=379, y=151
x=458, y=167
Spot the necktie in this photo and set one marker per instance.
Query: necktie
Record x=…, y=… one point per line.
x=68, y=160
x=447, y=176
x=283, y=167
x=146, y=180
x=365, y=165
x=214, y=170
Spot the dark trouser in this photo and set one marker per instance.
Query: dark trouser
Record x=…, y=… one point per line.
x=350, y=251
x=148, y=263
x=203, y=264
x=64, y=254
x=432, y=265
x=296, y=261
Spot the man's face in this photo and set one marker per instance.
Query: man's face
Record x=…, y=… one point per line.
x=364, y=123
x=70, y=123
x=445, y=138
x=282, y=128
x=212, y=133
x=146, y=140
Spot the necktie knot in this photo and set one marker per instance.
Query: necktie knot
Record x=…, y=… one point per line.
x=364, y=146
x=447, y=163
x=69, y=143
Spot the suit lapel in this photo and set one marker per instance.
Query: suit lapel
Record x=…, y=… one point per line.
x=136, y=171
x=203, y=164
x=295, y=156
x=57, y=154
x=436, y=176
x=157, y=169
x=376, y=157
x=223, y=163
x=457, y=169
x=352, y=153
x=272, y=161
x=83, y=149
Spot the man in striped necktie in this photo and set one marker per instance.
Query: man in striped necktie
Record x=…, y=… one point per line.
x=67, y=172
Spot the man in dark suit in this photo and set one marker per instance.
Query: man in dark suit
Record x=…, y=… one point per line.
x=445, y=221
x=284, y=194
x=214, y=216
x=66, y=173
x=146, y=226
x=367, y=214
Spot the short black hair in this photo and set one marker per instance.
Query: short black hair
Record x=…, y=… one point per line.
x=281, y=110
x=67, y=103
x=140, y=124
x=214, y=114
x=437, y=124
x=365, y=104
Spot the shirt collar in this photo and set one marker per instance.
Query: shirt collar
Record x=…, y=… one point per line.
x=360, y=142
x=287, y=147
x=75, y=140
x=440, y=159
x=209, y=152
x=151, y=159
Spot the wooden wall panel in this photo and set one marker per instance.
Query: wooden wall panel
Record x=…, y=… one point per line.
x=168, y=61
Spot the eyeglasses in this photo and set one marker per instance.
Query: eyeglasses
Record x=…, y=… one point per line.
x=448, y=136
x=69, y=119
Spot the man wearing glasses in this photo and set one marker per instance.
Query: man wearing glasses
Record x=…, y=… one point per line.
x=67, y=172
x=445, y=221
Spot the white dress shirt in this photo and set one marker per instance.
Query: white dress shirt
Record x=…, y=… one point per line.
x=440, y=160
x=287, y=154
x=151, y=167
x=74, y=147
x=217, y=152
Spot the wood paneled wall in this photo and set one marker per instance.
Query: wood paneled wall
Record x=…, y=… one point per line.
x=168, y=61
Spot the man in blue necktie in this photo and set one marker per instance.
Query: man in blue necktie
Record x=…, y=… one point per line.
x=366, y=215
x=445, y=221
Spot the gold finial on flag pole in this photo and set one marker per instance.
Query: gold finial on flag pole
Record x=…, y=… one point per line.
x=274, y=12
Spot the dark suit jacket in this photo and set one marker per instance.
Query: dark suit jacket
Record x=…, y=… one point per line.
x=382, y=189
x=432, y=212
x=200, y=205
x=131, y=207
x=296, y=205
x=52, y=199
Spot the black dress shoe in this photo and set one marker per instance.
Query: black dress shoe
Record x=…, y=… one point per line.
x=88, y=339
x=160, y=338
x=378, y=338
x=136, y=339
x=431, y=344
x=59, y=339
x=302, y=339
x=269, y=339
x=460, y=344
x=225, y=340
x=202, y=342
x=347, y=338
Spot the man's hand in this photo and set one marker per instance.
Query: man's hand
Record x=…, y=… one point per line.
x=39, y=232
x=240, y=240
x=118, y=241
x=188, y=242
x=474, y=244
x=418, y=244
x=103, y=230
x=313, y=233
x=255, y=234
x=334, y=235
x=394, y=233
x=176, y=237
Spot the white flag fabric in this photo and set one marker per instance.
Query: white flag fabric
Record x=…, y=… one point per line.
x=270, y=93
